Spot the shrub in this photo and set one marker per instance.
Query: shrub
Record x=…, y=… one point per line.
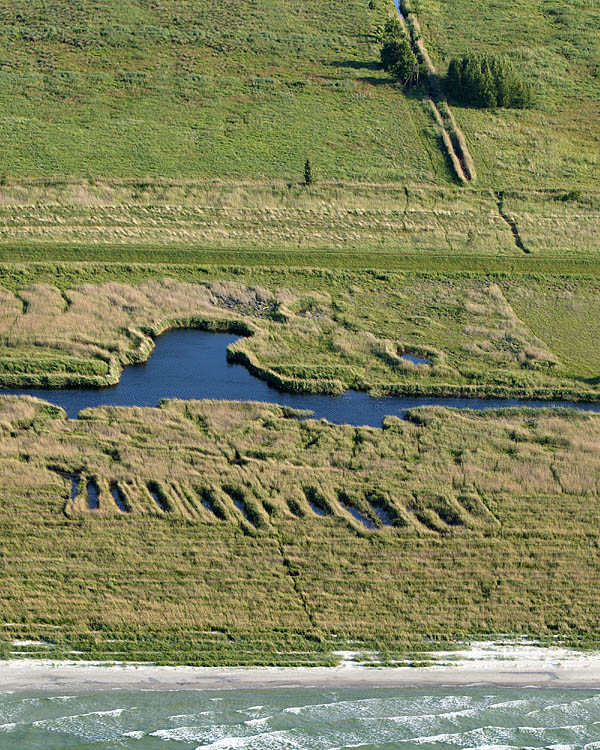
x=392, y=29
x=487, y=81
x=308, y=173
x=398, y=59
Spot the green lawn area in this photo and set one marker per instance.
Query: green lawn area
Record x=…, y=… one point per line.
x=196, y=89
x=557, y=47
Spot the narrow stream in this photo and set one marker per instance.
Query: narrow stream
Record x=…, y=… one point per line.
x=191, y=364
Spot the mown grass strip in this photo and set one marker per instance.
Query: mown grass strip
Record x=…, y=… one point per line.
x=129, y=263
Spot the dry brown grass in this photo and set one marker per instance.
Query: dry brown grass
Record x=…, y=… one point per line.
x=493, y=525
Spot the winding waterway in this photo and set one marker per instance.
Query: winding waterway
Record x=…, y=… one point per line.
x=192, y=364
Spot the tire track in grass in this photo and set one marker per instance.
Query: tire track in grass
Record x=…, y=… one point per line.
x=453, y=138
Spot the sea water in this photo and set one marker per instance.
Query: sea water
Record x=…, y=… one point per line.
x=302, y=719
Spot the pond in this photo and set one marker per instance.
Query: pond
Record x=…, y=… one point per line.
x=191, y=364
x=416, y=360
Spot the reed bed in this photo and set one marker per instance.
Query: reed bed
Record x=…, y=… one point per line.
x=327, y=338
x=486, y=518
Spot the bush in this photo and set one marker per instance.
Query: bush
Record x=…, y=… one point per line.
x=487, y=81
x=392, y=29
x=398, y=59
x=308, y=173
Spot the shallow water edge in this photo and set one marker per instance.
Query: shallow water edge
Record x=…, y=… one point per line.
x=192, y=364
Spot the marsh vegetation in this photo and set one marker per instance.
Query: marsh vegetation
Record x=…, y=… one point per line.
x=253, y=537
x=152, y=178
x=472, y=336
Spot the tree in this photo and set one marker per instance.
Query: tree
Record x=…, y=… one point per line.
x=308, y=173
x=392, y=29
x=487, y=81
x=398, y=59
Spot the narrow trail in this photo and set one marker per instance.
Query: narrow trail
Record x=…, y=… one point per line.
x=452, y=137
x=293, y=576
x=511, y=223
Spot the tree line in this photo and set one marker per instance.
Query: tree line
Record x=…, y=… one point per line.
x=475, y=80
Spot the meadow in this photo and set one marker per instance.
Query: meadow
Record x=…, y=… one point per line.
x=184, y=126
x=556, y=47
x=380, y=224
x=253, y=537
x=213, y=89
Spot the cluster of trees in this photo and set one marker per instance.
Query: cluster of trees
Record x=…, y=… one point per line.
x=396, y=54
x=487, y=81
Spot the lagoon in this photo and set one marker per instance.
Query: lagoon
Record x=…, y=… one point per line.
x=192, y=364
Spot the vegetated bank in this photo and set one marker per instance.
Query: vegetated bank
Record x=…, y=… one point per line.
x=318, y=332
x=328, y=224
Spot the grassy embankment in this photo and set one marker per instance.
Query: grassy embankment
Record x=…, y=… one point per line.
x=278, y=541
x=315, y=331
x=329, y=224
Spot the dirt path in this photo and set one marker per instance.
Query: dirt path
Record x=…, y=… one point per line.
x=452, y=137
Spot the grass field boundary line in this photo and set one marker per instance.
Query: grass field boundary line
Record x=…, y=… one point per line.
x=195, y=265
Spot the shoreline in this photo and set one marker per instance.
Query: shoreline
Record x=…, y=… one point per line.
x=485, y=664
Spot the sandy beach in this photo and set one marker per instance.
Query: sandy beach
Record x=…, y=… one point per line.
x=494, y=664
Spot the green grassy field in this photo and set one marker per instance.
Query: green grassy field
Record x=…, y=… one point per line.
x=222, y=90
x=187, y=124
x=556, y=46
x=205, y=89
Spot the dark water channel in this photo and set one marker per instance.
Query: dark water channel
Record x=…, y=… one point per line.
x=191, y=364
x=93, y=495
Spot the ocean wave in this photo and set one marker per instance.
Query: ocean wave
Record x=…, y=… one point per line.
x=112, y=712
x=309, y=719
